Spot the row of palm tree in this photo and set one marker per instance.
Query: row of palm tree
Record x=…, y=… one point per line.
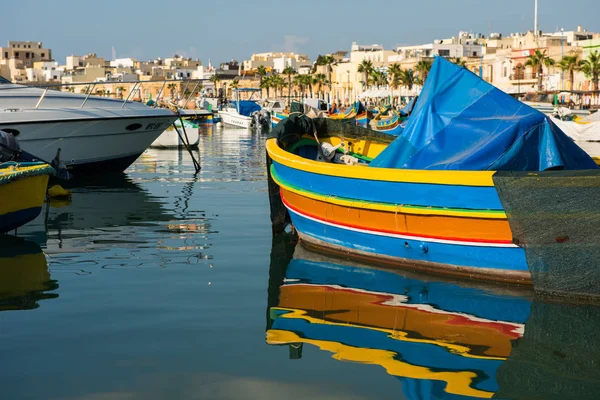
x=569, y=64
x=395, y=76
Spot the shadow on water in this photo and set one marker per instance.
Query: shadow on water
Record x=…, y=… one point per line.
x=24, y=276
x=439, y=339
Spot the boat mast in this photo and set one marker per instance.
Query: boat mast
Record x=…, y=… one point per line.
x=535, y=23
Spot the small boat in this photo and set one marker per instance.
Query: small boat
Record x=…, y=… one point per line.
x=95, y=134
x=392, y=126
x=463, y=191
x=23, y=191
x=436, y=337
x=172, y=138
x=240, y=113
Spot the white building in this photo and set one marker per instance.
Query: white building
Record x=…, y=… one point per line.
x=123, y=63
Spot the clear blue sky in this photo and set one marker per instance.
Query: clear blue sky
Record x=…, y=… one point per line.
x=222, y=30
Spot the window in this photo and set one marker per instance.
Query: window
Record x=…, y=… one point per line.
x=27, y=55
x=6, y=54
x=444, y=53
x=474, y=54
x=16, y=54
x=43, y=55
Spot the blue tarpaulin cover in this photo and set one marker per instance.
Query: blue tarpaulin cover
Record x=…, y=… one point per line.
x=461, y=122
x=246, y=107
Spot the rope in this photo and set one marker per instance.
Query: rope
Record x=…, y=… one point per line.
x=11, y=171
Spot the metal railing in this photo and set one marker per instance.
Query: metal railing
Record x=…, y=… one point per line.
x=90, y=86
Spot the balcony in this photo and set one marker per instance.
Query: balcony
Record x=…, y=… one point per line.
x=525, y=77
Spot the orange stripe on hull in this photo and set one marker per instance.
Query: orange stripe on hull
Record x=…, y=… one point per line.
x=433, y=226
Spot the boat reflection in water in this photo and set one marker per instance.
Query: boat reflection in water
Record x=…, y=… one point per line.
x=24, y=276
x=442, y=340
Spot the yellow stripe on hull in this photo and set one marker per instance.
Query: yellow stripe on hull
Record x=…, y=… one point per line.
x=460, y=178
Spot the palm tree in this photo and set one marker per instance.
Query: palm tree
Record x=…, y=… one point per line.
x=460, y=62
x=120, y=90
x=591, y=67
x=308, y=82
x=266, y=83
x=329, y=61
x=278, y=83
x=365, y=67
x=172, y=87
x=320, y=80
x=379, y=78
x=299, y=81
x=289, y=71
x=394, y=72
x=407, y=78
x=261, y=71
x=537, y=61
x=215, y=79
x=422, y=68
x=570, y=64
x=235, y=84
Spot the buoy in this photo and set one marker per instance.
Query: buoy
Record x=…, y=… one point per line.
x=58, y=192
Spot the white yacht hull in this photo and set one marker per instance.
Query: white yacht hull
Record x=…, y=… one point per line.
x=235, y=119
x=94, y=134
x=93, y=142
x=169, y=139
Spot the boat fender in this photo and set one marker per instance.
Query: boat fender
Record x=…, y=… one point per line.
x=58, y=192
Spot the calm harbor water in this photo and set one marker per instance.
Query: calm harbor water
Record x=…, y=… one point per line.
x=158, y=284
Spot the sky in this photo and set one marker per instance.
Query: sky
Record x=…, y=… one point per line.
x=234, y=29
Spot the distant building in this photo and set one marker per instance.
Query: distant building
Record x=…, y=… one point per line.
x=18, y=56
x=276, y=61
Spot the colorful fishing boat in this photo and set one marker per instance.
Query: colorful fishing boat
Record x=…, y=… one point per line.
x=435, y=337
x=23, y=191
x=463, y=191
x=394, y=125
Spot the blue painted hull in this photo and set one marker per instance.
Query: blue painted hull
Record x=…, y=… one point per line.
x=413, y=251
x=13, y=220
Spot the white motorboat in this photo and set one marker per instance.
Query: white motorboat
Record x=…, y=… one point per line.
x=170, y=138
x=94, y=134
x=242, y=113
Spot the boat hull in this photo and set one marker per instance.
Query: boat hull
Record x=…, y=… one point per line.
x=235, y=120
x=23, y=197
x=90, y=145
x=444, y=222
x=169, y=139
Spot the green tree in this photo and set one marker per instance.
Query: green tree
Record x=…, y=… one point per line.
x=267, y=83
x=365, y=68
x=261, y=71
x=235, y=84
x=289, y=71
x=394, y=72
x=570, y=64
x=379, y=78
x=422, y=68
x=591, y=67
x=329, y=61
x=320, y=80
x=172, y=86
x=537, y=61
x=407, y=78
x=300, y=82
x=278, y=83
x=460, y=62
x=215, y=79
